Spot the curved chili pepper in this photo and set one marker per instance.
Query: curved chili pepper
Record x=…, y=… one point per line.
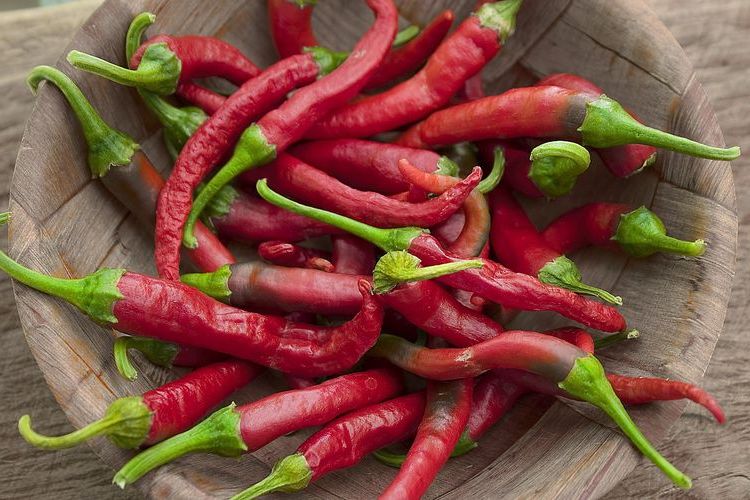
x=140, y=305
x=622, y=161
x=369, y=165
x=494, y=396
x=518, y=244
x=572, y=369
x=291, y=25
x=461, y=55
x=249, y=285
x=637, y=231
x=235, y=430
x=351, y=255
x=493, y=281
x=599, y=122
x=125, y=171
x=205, y=99
x=261, y=142
x=164, y=61
x=135, y=421
x=342, y=443
x=298, y=179
x=162, y=354
x=446, y=413
x=291, y=255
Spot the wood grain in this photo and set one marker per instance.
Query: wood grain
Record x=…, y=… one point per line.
x=729, y=481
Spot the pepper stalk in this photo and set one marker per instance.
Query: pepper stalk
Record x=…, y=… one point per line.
x=642, y=233
x=157, y=352
x=556, y=165
x=398, y=267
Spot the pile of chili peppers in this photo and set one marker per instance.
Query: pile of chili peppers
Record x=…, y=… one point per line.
x=373, y=258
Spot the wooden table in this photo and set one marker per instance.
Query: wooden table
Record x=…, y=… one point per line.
x=714, y=35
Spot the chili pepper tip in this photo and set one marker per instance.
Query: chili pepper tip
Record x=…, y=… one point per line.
x=289, y=474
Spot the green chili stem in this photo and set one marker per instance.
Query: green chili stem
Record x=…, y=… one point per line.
x=641, y=233
x=215, y=284
x=290, y=474
x=496, y=174
x=157, y=352
x=500, y=16
x=401, y=267
x=609, y=340
x=406, y=35
x=135, y=33
x=387, y=239
x=562, y=272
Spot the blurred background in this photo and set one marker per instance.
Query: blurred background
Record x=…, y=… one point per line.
x=25, y=4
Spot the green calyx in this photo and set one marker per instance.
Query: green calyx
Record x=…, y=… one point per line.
x=491, y=181
x=290, y=474
x=405, y=36
x=252, y=150
x=157, y=352
x=305, y=3
x=587, y=381
x=107, y=147
x=641, y=233
x=400, y=266
x=220, y=205
x=610, y=340
x=215, y=284
x=556, y=165
x=500, y=16
x=326, y=59
x=179, y=123
x=218, y=434
x=158, y=71
x=126, y=423
x=446, y=166
x=95, y=295
x=607, y=124
x=386, y=239
x=562, y=272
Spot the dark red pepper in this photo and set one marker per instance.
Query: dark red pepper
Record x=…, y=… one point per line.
x=351, y=255
x=158, y=414
x=492, y=281
x=206, y=99
x=291, y=255
x=554, y=112
x=235, y=430
x=460, y=56
x=636, y=231
x=622, y=161
x=342, y=443
x=291, y=25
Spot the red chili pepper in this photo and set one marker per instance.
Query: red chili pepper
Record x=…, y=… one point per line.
x=494, y=396
x=291, y=255
x=163, y=354
x=295, y=382
x=446, y=413
x=131, y=422
x=369, y=165
x=140, y=305
x=578, y=373
x=298, y=179
x=622, y=161
x=206, y=99
x=291, y=25
x=636, y=231
x=351, y=255
x=253, y=285
x=493, y=281
x=125, y=171
x=599, y=122
x=262, y=141
x=460, y=56
x=518, y=244
x=342, y=443
x=235, y=430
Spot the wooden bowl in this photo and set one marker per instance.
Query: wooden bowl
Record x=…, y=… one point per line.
x=66, y=224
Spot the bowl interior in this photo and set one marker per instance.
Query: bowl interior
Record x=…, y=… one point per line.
x=67, y=224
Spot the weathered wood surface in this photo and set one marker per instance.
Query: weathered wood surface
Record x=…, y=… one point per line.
x=716, y=457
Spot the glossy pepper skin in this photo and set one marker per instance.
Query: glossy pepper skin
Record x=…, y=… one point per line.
x=553, y=112
x=158, y=414
x=447, y=411
x=304, y=182
x=255, y=284
x=291, y=255
x=517, y=244
x=365, y=165
x=492, y=281
x=343, y=443
x=261, y=142
x=124, y=170
x=622, y=161
x=460, y=56
x=291, y=25
x=637, y=231
x=235, y=430
x=206, y=99
x=351, y=255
